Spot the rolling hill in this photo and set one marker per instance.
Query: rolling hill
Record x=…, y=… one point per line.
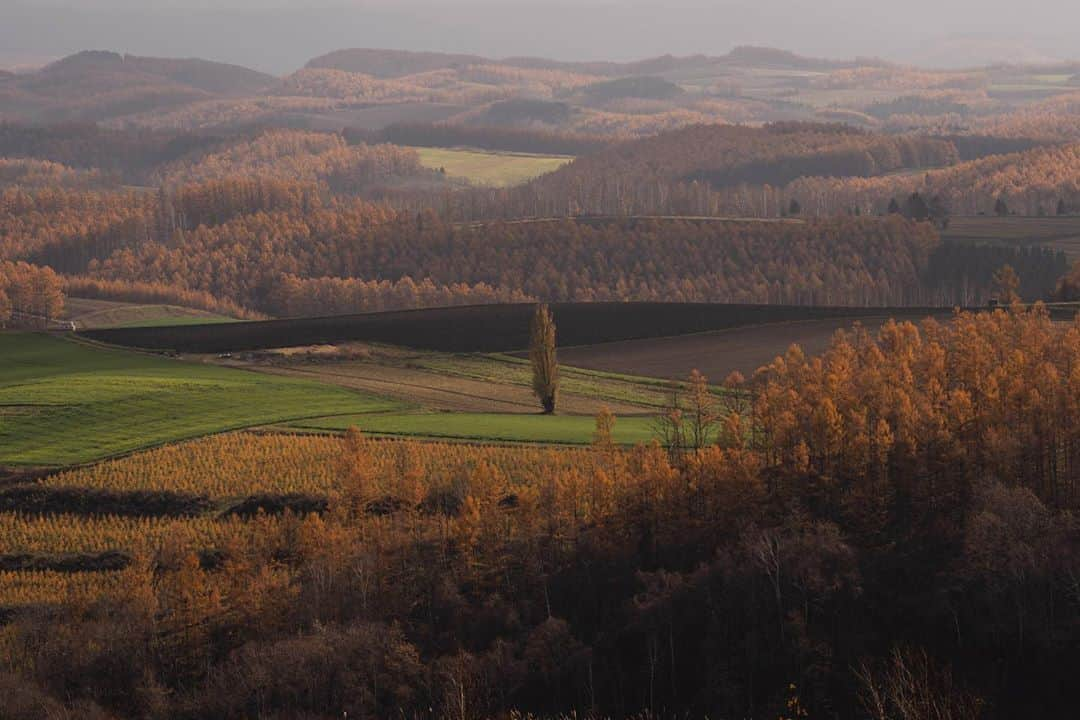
x=97, y=85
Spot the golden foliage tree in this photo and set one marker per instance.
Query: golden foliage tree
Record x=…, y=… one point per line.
x=1007, y=285
x=605, y=424
x=5, y=307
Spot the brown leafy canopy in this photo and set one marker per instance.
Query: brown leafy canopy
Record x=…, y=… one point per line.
x=837, y=262
x=30, y=295
x=1068, y=287
x=285, y=248
x=1032, y=182
x=1007, y=285
x=298, y=156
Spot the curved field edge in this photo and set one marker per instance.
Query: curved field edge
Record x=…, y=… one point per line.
x=66, y=403
x=486, y=328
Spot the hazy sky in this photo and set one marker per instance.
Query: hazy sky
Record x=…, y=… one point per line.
x=280, y=35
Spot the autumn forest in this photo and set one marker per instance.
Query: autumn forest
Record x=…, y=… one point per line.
x=430, y=385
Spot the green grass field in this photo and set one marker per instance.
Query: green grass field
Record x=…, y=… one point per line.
x=488, y=427
x=490, y=168
x=62, y=402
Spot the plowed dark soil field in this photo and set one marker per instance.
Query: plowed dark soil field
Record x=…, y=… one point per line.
x=715, y=354
x=485, y=328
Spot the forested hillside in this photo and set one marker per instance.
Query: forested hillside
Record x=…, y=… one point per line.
x=93, y=86
x=280, y=248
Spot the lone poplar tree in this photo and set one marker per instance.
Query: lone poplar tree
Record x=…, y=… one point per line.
x=545, y=366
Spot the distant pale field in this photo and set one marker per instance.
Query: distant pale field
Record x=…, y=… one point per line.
x=490, y=168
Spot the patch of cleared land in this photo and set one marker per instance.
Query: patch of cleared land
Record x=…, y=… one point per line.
x=497, y=169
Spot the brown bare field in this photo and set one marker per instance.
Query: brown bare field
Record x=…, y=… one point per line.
x=715, y=354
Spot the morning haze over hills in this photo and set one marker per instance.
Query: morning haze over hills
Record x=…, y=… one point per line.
x=280, y=36
x=490, y=361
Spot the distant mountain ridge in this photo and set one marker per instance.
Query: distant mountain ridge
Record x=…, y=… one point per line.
x=206, y=75
x=400, y=63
